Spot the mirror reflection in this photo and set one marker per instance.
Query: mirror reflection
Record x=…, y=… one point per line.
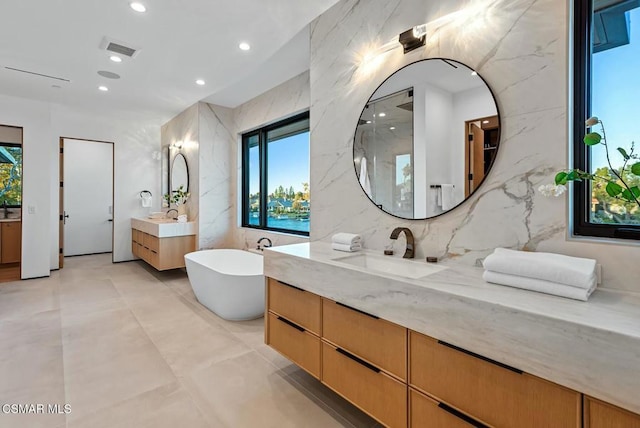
x=179, y=173
x=426, y=139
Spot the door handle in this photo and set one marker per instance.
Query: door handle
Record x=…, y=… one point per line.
x=65, y=216
x=110, y=219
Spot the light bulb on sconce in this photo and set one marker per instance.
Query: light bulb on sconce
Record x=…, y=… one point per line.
x=177, y=145
x=414, y=38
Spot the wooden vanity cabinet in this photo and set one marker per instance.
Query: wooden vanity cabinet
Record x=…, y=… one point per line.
x=403, y=378
x=11, y=242
x=292, y=324
x=598, y=414
x=10, y=250
x=489, y=391
x=162, y=253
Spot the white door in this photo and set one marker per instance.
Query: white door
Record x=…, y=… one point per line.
x=88, y=197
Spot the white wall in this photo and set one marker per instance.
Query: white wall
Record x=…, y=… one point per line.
x=520, y=49
x=135, y=138
x=35, y=118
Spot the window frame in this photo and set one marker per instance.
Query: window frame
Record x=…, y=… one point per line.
x=582, y=227
x=263, y=180
x=21, y=170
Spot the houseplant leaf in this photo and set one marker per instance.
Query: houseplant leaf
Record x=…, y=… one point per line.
x=592, y=138
x=561, y=177
x=613, y=189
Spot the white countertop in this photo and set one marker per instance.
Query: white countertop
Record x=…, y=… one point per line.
x=592, y=347
x=163, y=227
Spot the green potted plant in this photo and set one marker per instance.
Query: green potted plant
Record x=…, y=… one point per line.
x=618, y=183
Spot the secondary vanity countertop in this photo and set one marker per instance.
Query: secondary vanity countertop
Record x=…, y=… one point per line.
x=163, y=228
x=592, y=347
x=9, y=220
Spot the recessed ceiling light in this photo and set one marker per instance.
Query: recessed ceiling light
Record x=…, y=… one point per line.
x=108, y=74
x=138, y=7
x=474, y=73
x=485, y=121
x=382, y=114
x=200, y=82
x=368, y=121
x=56, y=86
x=103, y=88
x=244, y=46
x=392, y=128
x=115, y=58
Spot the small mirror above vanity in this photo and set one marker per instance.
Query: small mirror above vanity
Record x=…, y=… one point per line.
x=179, y=173
x=426, y=139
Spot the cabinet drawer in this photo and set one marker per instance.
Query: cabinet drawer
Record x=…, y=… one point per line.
x=378, y=341
x=135, y=235
x=598, y=414
x=292, y=341
x=151, y=242
x=427, y=413
x=493, y=393
x=373, y=391
x=299, y=306
x=134, y=248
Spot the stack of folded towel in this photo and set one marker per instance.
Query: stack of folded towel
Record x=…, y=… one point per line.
x=557, y=274
x=346, y=242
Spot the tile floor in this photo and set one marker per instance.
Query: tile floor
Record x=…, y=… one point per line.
x=127, y=346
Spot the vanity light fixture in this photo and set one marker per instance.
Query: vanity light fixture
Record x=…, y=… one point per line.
x=200, y=82
x=115, y=58
x=413, y=38
x=138, y=7
x=103, y=88
x=177, y=145
x=244, y=46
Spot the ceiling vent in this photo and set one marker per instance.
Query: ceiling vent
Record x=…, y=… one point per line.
x=118, y=47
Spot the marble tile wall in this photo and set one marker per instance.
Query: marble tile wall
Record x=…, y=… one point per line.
x=287, y=99
x=520, y=48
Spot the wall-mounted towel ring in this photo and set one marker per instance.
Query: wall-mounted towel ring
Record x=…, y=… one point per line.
x=145, y=193
x=438, y=186
x=146, y=199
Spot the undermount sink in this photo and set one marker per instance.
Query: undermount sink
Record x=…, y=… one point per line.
x=385, y=264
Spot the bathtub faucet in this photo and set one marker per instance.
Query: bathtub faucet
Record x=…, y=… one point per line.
x=267, y=245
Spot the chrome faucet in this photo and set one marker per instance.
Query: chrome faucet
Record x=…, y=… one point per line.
x=267, y=245
x=168, y=211
x=5, y=209
x=408, y=253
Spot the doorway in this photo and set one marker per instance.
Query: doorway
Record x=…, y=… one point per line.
x=86, y=197
x=482, y=145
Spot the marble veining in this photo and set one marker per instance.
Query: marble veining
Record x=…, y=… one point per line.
x=520, y=49
x=592, y=347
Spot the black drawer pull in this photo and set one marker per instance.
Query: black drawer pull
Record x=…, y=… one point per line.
x=357, y=310
x=292, y=286
x=488, y=360
x=358, y=360
x=294, y=325
x=461, y=415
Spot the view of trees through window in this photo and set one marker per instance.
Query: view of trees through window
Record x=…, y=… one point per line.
x=615, y=89
x=11, y=175
x=282, y=150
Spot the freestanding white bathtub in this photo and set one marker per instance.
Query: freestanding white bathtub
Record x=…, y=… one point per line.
x=228, y=282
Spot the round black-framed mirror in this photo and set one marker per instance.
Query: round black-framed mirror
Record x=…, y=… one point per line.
x=426, y=139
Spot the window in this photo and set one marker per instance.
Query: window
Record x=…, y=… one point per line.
x=275, y=180
x=607, y=85
x=11, y=174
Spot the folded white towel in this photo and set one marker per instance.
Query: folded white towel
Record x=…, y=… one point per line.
x=147, y=200
x=350, y=248
x=447, y=201
x=574, y=271
x=346, y=238
x=539, y=285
